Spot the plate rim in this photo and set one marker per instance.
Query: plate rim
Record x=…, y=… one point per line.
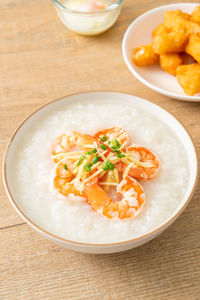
x=50, y=235
x=131, y=67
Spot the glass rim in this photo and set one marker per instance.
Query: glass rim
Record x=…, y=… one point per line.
x=110, y=7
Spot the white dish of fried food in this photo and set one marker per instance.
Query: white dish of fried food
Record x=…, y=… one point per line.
x=161, y=48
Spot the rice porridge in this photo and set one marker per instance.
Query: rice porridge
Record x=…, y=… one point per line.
x=75, y=220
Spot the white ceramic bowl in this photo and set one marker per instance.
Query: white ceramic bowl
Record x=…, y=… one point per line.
x=139, y=33
x=136, y=102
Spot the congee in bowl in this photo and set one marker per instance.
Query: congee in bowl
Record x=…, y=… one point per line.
x=99, y=168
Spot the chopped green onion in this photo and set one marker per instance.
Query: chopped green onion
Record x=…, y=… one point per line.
x=109, y=142
x=116, y=145
x=87, y=167
x=65, y=167
x=118, y=151
x=94, y=150
x=80, y=160
x=95, y=159
x=120, y=155
x=108, y=166
x=103, y=147
x=88, y=153
x=91, y=152
x=104, y=138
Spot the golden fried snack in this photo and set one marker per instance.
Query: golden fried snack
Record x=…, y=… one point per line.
x=169, y=43
x=144, y=55
x=174, y=21
x=187, y=59
x=193, y=47
x=192, y=27
x=176, y=43
x=188, y=77
x=182, y=14
x=178, y=22
x=169, y=62
x=196, y=15
x=160, y=29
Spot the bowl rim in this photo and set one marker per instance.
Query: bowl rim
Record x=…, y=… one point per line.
x=113, y=6
x=68, y=241
x=131, y=66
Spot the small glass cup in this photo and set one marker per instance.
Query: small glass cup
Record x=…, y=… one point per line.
x=88, y=23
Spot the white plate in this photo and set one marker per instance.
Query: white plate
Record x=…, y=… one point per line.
x=139, y=33
x=109, y=97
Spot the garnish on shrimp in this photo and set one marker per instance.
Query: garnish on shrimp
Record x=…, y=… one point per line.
x=103, y=171
x=110, y=135
x=145, y=163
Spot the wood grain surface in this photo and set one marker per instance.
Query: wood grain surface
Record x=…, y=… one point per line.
x=41, y=60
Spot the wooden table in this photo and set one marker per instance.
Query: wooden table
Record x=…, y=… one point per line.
x=41, y=60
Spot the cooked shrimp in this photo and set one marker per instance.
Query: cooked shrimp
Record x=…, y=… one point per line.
x=72, y=140
x=111, y=134
x=101, y=170
x=132, y=198
x=63, y=181
x=143, y=155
